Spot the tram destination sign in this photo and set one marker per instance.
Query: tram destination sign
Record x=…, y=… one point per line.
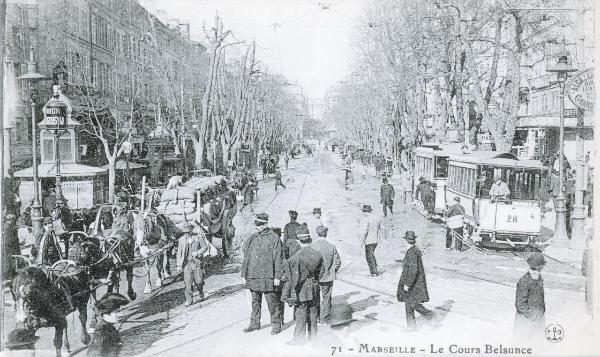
x=580, y=89
x=55, y=114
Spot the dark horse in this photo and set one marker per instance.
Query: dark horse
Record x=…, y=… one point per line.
x=45, y=296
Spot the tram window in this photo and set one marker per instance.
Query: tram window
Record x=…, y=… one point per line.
x=441, y=167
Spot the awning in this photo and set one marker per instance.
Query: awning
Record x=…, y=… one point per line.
x=66, y=170
x=122, y=165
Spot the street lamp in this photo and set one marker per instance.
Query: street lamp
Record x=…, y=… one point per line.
x=31, y=77
x=562, y=70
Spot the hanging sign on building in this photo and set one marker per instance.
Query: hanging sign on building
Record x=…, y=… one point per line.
x=580, y=89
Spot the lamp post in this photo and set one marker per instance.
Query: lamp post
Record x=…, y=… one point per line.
x=31, y=77
x=562, y=70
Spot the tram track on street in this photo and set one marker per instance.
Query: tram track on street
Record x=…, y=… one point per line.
x=246, y=220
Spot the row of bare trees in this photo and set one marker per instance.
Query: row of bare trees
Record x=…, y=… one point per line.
x=422, y=67
x=219, y=99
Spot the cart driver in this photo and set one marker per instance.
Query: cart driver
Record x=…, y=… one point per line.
x=499, y=189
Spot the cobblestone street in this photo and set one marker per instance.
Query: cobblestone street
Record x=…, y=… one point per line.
x=472, y=292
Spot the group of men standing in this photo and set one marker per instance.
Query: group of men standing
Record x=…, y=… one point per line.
x=292, y=269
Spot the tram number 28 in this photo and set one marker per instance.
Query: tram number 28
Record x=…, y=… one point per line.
x=512, y=218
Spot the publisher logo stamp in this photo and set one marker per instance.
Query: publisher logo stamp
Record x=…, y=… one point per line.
x=554, y=333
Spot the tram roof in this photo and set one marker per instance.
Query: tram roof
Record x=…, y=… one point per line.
x=494, y=158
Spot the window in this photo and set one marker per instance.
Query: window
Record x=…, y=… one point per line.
x=22, y=130
x=47, y=140
x=94, y=73
x=94, y=26
x=85, y=22
x=64, y=147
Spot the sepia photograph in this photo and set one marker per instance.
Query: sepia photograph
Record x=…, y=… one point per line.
x=298, y=178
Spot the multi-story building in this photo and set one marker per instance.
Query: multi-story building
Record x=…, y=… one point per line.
x=111, y=55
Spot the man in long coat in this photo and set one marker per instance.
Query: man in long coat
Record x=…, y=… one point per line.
x=530, y=303
x=10, y=246
x=262, y=270
x=331, y=264
x=387, y=196
x=412, y=287
x=289, y=234
x=305, y=269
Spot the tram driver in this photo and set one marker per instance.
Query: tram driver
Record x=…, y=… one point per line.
x=499, y=189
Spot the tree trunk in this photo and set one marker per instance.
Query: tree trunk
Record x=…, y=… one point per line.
x=198, y=153
x=112, y=173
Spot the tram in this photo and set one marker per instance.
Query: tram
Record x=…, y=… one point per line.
x=496, y=222
x=515, y=220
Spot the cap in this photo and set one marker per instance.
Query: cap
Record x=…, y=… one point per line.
x=367, y=208
x=261, y=218
x=457, y=199
x=111, y=302
x=293, y=214
x=410, y=236
x=316, y=210
x=536, y=261
x=322, y=231
x=303, y=235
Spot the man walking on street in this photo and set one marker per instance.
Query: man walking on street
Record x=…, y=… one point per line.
x=412, y=287
x=278, y=179
x=387, y=196
x=316, y=221
x=331, y=263
x=370, y=237
x=305, y=269
x=455, y=220
x=289, y=234
x=427, y=195
x=530, y=303
x=406, y=184
x=261, y=269
x=190, y=251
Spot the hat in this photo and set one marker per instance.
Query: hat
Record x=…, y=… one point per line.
x=47, y=220
x=457, y=199
x=322, y=231
x=536, y=261
x=410, y=236
x=187, y=227
x=422, y=178
x=111, y=302
x=261, y=218
x=316, y=210
x=10, y=216
x=303, y=235
x=277, y=231
x=293, y=214
x=340, y=314
x=367, y=208
x=21, y=338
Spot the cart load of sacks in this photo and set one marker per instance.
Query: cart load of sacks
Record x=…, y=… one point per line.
x=183, y=203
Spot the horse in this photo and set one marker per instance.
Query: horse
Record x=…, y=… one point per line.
x=44, y=297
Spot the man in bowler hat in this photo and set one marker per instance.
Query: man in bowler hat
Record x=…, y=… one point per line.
x=370, y=237
x=530, y=302
x=331, y=263
x=190, y=251
x=262, y=271
x=412, y=287
x=106, y=341
x=305, y=269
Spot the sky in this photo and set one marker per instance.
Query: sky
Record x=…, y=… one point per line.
x=308, y=41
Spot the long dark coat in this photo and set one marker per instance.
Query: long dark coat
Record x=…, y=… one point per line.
x=387, y=194
x=10, y=247
x=531, y=307
x=105, y=341
x=304, y=270
x=289, y=237
x=263, y=260
x=413, y=276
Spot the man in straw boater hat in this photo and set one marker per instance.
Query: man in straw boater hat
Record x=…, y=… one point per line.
x=190, y=252
x=412, y=287
x=370, y=237
x=530, y=303
x=106, y=340
x=262, y=270
x=331, y=263
x=305, y=269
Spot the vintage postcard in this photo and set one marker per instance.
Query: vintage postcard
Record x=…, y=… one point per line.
x=298, y=178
